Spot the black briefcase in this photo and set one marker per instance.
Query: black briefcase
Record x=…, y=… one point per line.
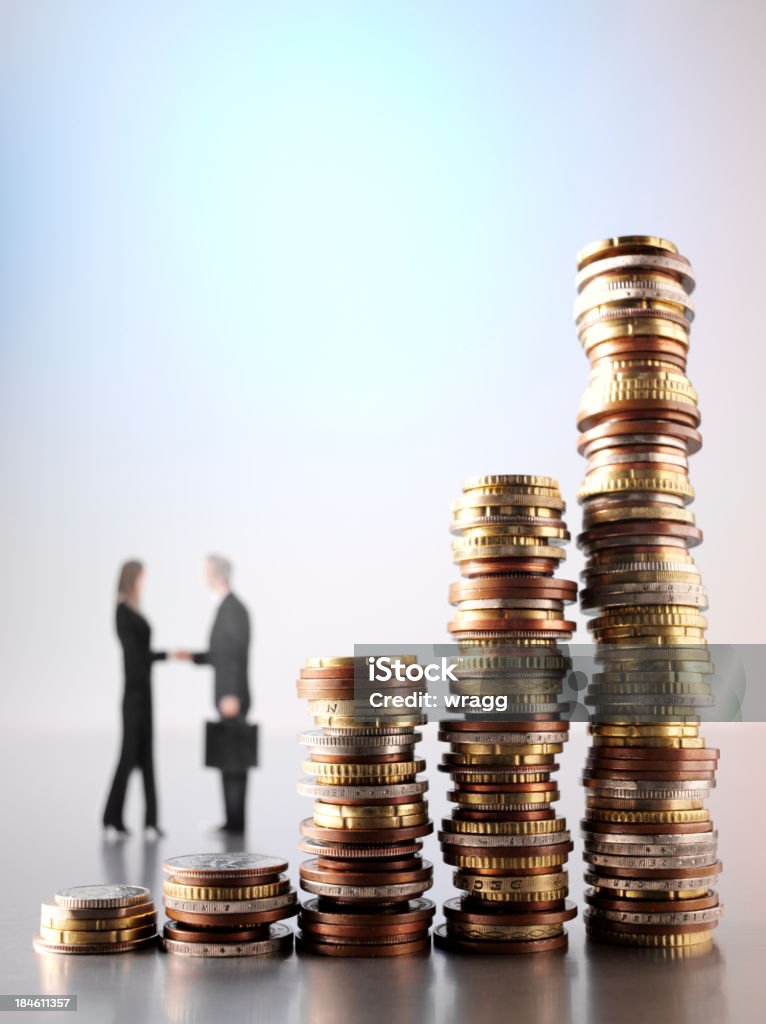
x=231, y=745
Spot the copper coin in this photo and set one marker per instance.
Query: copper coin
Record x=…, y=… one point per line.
x=349, y=932
x=320, y=911
x=651, y=906
x=444, y=940
x=361, y=851
x=505, y=851
x=188, y=933
x=333, y=672
x=364, y=835
x=659, y=776
x=654, y=873
x=455, y=910
x=651, y=828
x=405, y=948
x=319, y=758
x=506, y=787
x=325, y=691
x=464, y=814
x=502, y=566
x=232, y=920
x=311, y=872
x=357, y=864
x=486, y=588
x=599, y=924
x=554, y=725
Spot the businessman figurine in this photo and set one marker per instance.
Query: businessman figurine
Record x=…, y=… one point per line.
x=228, y=654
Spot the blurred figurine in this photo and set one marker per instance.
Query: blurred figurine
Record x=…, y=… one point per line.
x=228, y=652
x=135, y=634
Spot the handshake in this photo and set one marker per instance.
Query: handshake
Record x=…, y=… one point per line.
x=228, y=705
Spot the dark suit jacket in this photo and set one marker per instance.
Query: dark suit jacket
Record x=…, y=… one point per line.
x=135, y=636
x=228, y=652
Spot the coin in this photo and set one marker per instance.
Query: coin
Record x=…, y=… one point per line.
x=222, y=867
x=280, y=940
x=459, y=944
x=102, y=896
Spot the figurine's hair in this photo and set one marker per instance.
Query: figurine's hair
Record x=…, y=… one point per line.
x=221, y=566
x=126, y=582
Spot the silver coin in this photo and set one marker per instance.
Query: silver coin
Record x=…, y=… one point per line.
x=482, y=840
x=102, y=896
x=222, y=863
x=643, y=850
x=361, y=792
x=230, y=906
x=651, y=884
x=667, y=790
x=383, y=892
x=672, y=264
x=604, y=860
x=680, y=700
x=372, y=730
x=280, y=938
x=354, y=742
x=672, y=918
x=660, y=839
x=504, y=739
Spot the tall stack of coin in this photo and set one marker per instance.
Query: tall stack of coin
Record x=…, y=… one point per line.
x=509, y=847
x=367, y=876
x=97, y=919
x=227, y=904
x=650, y=847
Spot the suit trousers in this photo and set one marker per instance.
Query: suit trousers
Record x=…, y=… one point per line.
x=136, y=752
x=234, y=795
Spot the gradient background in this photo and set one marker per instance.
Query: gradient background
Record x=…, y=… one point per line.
x=275, y=278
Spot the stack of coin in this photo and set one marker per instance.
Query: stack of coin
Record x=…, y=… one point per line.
x=650, y=847
x=367, y=876
x=97, y=919
x=504, y=838
x=227, y=904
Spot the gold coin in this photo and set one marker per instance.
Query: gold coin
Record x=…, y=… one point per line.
x=627, y=817
x=482, y=884
x=640, y=731
x=368, y=810
x=79, y=937
x=96, y=924
x=548, y=860
x=180, y=891
x=386, y=770
x=404, y=821
x=507, y=828
x=505, y=799
x=505, y=933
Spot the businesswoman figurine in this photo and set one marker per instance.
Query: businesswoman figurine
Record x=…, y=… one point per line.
x=134, y=633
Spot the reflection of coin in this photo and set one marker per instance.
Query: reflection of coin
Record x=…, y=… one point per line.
x=230, y=865
x=102, y=896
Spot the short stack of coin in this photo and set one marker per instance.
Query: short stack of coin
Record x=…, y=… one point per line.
x=367, y=876
x=650, y=847
x=504, y=838
x=97, y=919
x=227, y=904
